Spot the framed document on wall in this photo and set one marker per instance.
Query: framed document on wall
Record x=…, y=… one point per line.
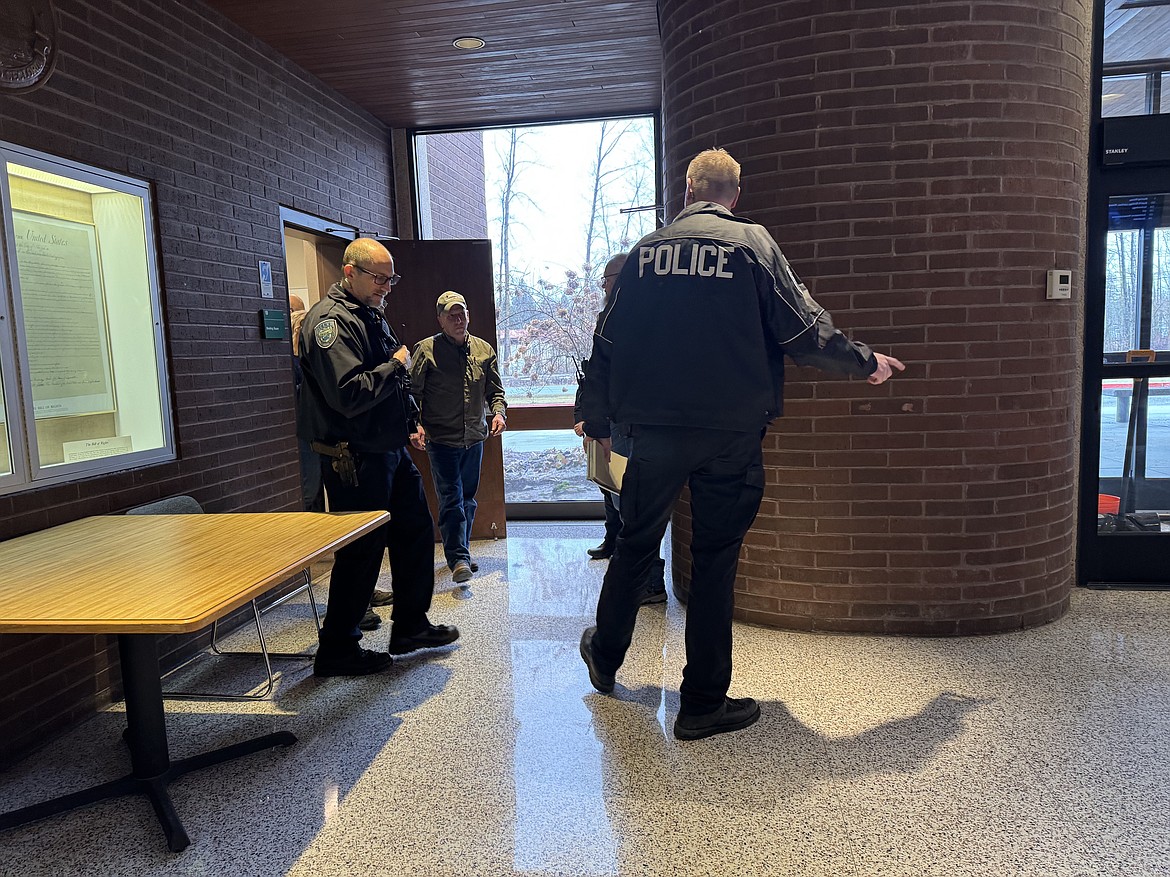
x=64, y=316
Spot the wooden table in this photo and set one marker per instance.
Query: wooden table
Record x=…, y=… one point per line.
x=142, y=575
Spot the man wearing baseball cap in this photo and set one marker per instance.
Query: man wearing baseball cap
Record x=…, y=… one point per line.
x=456, y=381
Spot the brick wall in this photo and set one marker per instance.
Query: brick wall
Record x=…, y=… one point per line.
x=455, y=186
x=922, y=165
x=227, y=131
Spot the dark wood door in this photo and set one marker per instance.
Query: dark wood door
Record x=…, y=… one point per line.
x=429, y=268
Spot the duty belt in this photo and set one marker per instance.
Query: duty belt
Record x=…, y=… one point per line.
x=344, y=461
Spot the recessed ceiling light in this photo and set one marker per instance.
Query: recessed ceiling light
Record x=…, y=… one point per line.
x=469, y=43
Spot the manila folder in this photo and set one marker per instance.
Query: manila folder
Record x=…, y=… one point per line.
x=607, y=476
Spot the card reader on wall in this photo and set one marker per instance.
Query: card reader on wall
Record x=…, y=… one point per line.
x=1059, y=284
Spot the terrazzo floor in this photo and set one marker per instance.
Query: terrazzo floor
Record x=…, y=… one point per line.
x=1039, y=753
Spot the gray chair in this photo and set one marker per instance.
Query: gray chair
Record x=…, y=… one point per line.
x=188, y=505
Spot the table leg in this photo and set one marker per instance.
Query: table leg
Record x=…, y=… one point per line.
x=146, y=723
x=146, y=735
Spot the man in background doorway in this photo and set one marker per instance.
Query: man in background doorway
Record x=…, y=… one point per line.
x=296, y=316
x=456, y=381
x=655, y=586
x=613, y=520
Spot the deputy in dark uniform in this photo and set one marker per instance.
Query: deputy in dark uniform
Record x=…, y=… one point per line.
x=356, y=410
x=687, y=363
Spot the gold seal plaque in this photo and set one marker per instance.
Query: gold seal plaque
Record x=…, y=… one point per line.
x=28, y=44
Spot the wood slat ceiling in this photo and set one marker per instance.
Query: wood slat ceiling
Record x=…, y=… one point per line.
x=543, y=60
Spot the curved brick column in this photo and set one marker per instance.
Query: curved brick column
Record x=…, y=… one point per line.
x=922, y=167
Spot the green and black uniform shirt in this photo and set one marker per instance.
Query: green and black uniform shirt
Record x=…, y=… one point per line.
x=353, y=388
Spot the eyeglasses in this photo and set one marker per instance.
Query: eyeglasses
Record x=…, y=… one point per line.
x=379, y=279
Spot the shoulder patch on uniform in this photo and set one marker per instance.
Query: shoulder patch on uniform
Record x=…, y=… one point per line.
x=326, y=333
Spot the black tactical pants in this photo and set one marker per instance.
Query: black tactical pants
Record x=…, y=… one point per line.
x=726, y=479
x=388, y=482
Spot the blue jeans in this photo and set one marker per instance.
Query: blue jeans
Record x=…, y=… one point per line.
x=613, y=517
x=456, y=475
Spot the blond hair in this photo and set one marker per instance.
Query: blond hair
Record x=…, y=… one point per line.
x=713, y=175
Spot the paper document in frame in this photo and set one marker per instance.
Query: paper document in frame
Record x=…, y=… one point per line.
x=607, y=476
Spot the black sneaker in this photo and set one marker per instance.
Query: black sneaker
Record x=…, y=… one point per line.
x=355, y=662
x=370, y=621
x=382, y=598
x=430, y=637
x=603, y=682
x=654, y=595
x=474, y=566
x=735, y=715
x=604, y=551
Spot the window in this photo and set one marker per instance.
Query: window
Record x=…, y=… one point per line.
x=82, y=371
x=1137, y=275
x=1126, y=95
x=557, y=201
x=1134, y=60
x=1134, y=463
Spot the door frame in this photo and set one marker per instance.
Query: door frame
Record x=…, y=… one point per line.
x=1131, y=560
x=1111, y=560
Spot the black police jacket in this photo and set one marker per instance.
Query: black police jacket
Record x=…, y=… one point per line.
x=704, y=312
x=353, y=389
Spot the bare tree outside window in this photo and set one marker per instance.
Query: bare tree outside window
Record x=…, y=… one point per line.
x=1160, y=311
x=504, y=190
x=552, y=325
x=1123, y=284
x=558, y=202
x=1122, y=290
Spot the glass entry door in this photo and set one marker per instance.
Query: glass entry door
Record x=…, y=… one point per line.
x=1129, y=543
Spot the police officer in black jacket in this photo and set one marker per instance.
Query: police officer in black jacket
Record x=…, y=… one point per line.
x=687, y=364
x=356, y=409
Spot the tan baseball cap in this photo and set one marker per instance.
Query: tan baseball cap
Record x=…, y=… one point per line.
x=448, y=300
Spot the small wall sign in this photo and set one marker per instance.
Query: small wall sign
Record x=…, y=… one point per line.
x=92, y=449
x=266, y=280
x=273, y=323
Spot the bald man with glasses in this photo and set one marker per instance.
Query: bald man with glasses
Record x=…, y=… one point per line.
x=357, y=412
